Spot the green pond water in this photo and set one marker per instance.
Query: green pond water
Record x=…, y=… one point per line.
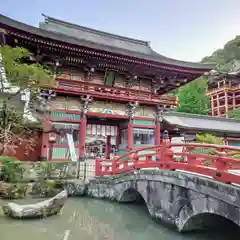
x=91, y=219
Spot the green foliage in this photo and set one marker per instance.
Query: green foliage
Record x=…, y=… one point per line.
x=22, y=74
x=235, y=114
x=209, y=138
x=14, y=191
x=225, y=58
x=11, y=170
x=48, y=188
x=192, y=98
x=44, y=170
x=52, y=170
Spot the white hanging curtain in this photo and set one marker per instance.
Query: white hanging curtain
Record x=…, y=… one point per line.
x=60, y=125
x=143, y=131
x=101, y=130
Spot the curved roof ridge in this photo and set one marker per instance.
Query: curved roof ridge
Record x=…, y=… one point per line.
x=157, y=58
x=172, y=59
x=92, y=30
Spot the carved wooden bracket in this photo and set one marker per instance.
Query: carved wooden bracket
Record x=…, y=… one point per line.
x=160, y=113
x=131, y=108
x=86, y=100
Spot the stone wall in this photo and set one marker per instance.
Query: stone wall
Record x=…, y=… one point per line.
x=37, y=171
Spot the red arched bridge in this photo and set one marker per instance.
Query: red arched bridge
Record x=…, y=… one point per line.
x=222, y=163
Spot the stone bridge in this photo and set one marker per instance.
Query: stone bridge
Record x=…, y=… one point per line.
x=183, y=200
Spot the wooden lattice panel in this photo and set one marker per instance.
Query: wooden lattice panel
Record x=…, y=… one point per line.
x=120, y=81
x=145, y=85
x=73, y=103
x=58, y=103
x=77, y=75
x=97, y=78
x=145, y=111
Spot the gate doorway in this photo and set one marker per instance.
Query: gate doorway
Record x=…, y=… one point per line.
x=101, y=140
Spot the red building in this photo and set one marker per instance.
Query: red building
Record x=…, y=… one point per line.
x=112, y=89
x=224, y=92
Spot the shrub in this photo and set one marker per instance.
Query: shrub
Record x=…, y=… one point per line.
x=44, y=170
x=210, y=139
x=11, y=170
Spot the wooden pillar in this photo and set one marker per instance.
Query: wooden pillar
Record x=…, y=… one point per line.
x=234, y=100
x=108, y=147
x=159, y=119
x=83, y=131
x=86, y=100
x=118, y=137
x=45, y=149
x=212, y=105
x=2, y=36
x=158, y=133
x=226, y=102
x=45, y=140
x=218, y=105
x=131, y=108
x=130, y=134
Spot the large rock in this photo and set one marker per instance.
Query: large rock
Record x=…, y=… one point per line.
x=75, y=187
x=42, y=209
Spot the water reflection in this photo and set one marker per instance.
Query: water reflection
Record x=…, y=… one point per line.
x=86, y=219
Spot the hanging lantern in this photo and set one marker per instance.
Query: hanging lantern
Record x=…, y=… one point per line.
x=52, y=137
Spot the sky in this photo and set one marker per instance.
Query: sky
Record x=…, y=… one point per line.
x=182, y=29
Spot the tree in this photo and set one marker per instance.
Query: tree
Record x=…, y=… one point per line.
x=192, y=98
x=225, y=58
x=18, y=73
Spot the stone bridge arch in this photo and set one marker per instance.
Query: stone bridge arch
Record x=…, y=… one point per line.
x=131, y=195
x=174, y=197
x=206, y=213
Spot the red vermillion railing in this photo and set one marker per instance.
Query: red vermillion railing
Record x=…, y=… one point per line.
x=105, y=91
x=219, y=162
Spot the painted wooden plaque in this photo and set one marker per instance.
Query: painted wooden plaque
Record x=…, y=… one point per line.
x=108, y=108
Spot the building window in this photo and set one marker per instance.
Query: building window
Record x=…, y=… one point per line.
x=124, y=137
x=72, y=128
x=143, y=136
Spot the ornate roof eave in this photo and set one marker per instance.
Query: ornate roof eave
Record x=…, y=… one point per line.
x=154, y=60
x=202, y=122
x=213, y=77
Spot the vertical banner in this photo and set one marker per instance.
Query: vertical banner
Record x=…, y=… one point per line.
x=71, y=147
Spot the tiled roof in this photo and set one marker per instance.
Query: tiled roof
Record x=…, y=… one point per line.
x=73, y=34
x=202, y=123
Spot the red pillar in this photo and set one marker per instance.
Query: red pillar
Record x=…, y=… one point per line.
x=108, y=147
x=130, y=135
x=50, y=158
x=118, y=137
x=158, y=134
x=83, y=132
x=45, y=139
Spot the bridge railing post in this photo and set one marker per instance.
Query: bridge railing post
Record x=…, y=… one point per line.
x=190, y=158
x=125, y=165
x=115, y=165
x=134, y=157
x=166, y=155
x=221, y=163
x=98, y=167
